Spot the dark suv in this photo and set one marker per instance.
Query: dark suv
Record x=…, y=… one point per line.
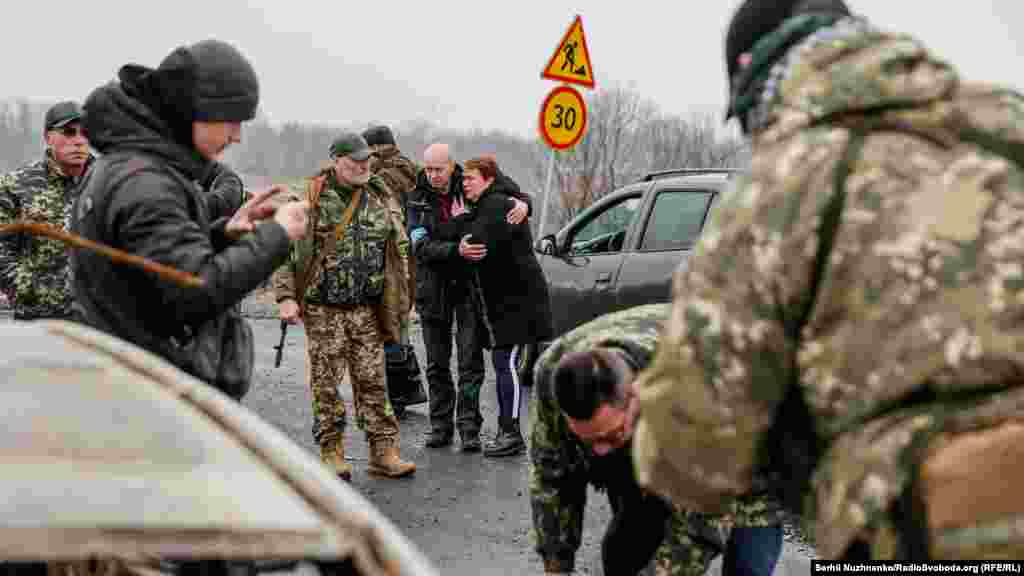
x=623, y=250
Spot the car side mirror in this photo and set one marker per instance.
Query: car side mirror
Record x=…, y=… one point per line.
x=546, y=245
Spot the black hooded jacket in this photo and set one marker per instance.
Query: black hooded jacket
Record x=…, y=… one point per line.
x=510, y=280
x=143, y=196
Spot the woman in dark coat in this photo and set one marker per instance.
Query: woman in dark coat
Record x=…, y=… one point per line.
x=515, y=307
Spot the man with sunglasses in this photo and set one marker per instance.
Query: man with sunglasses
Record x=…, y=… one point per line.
x=35, y=271
x=581, y=434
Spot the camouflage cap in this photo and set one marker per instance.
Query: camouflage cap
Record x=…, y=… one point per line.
x=352, y=145
x=61, y=114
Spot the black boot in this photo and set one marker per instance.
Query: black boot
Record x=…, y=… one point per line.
x=509, y=441
x=439, y=438
x=470, y=441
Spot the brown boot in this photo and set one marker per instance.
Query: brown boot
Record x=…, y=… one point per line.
x=332, y=453
x=384, y=460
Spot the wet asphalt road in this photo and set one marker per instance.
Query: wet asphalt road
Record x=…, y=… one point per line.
x=469, y=514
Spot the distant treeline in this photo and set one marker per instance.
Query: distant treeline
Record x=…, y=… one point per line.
x=627, y=136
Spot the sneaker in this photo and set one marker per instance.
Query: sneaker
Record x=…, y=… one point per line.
x=506, y=444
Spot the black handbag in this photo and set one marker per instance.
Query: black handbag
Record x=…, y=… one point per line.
x=405, y=382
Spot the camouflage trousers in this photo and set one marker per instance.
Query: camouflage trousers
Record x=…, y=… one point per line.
x=688, y=548
x=693, y=540
x=340, y=338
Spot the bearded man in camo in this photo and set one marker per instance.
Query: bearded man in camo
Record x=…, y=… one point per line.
x=339, y=306
x=850, y=325
x=35, y=273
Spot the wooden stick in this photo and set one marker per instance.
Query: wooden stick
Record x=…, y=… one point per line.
x=120, y=256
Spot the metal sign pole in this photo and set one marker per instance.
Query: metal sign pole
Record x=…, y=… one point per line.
x=547, y=196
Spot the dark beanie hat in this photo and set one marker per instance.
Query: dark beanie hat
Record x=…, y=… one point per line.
x=757, y=18
x=379, y=136
x=226, y=88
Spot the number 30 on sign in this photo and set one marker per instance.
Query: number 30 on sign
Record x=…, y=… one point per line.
x=563, y=117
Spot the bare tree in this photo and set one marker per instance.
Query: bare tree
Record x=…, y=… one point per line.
x=606, y=156
x=674, y=142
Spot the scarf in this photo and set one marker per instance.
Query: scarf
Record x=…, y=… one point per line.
x=749, y=83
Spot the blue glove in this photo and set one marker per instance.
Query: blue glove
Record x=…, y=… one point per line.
x=417, y=234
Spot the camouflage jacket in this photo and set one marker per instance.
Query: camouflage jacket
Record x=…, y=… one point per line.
x=34, y=271
x=354, y=273
x=398, y=173
x=855, y=294
x=561, y=466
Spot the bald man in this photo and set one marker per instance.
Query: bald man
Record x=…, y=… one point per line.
x=443, y=295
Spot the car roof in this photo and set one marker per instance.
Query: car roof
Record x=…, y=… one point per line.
x=108, y=450
x=689, y=177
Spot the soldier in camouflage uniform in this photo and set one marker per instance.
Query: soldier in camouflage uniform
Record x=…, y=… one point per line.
x=578, y=442
x=35, y=271
x=399, y=173
x=849, y=322
x=340, y=309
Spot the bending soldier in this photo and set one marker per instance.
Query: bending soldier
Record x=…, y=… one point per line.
x=581, y=432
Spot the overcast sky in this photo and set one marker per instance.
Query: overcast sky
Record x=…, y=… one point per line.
x=462, y=64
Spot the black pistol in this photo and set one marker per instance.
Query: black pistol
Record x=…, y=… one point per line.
x=280, y=345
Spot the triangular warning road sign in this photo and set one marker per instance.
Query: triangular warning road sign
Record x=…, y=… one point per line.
x=571, y=60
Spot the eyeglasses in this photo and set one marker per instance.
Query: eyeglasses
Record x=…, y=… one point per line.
x=71, y=131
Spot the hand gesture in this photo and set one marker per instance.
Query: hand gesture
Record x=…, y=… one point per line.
x=292, y=217
x=458, y=207
x=518, y=212
x=289, y=310
x=472, y=252
x=256, y=209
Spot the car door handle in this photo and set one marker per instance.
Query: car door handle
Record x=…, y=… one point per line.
x=604, y=277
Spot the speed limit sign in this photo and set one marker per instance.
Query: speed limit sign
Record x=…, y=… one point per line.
x=563, y=117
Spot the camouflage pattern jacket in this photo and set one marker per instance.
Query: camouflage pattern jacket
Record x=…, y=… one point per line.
x=35, y=272
x=354, y=273
x=561, y=466
x=398, y=173
x=856, y=294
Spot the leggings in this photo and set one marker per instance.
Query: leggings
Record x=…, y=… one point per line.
x=506, y=375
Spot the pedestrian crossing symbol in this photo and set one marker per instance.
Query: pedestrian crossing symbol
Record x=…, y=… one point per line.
x=571, y=60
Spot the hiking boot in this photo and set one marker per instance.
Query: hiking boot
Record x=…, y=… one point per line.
x=384, y=460
x=470, y=442
x=439, y=439
x=507, y=443
x=332, y=453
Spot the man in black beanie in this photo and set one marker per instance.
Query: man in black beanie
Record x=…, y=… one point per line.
x=158, y=130
x=848, y=326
